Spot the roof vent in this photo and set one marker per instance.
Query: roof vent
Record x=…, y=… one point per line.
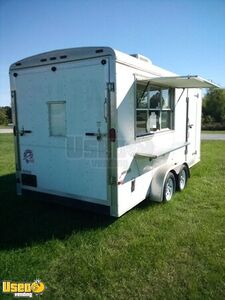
x=141, y=57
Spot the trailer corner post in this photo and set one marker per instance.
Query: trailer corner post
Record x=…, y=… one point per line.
x=112, y=147
x=187, y=121
x=16, y=142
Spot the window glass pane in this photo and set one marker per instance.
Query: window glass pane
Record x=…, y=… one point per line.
x=142, y=96
x=141, y=121
x=166, y=119
x=57, y=119
x=153, y=121
x=165, y=100
x=154, y=98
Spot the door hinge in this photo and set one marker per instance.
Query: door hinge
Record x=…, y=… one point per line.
x=111, y=86
x=113, y=180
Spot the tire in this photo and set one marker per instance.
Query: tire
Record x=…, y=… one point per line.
x=182, y=178
x=169, y=187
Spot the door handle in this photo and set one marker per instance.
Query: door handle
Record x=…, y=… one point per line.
x=23, y=131
x=98, y=134
x=190, y=125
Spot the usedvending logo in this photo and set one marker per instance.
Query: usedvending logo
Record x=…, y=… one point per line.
x=28, y=156
x=23, y=289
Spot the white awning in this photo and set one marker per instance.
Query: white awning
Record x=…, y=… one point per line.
x=189, y=81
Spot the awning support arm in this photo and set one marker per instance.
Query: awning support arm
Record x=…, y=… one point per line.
x=180, y=96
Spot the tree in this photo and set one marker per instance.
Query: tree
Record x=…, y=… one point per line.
x=214, y=105
x=8, y=111
x=3, y=117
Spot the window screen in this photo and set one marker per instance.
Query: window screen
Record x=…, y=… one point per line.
x=57, y=118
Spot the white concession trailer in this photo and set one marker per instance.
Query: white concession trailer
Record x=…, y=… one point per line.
x=96, y=127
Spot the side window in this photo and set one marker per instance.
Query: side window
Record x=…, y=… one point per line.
x=154, y=108
x=57, y=118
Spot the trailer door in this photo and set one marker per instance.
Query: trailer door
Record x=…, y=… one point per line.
x=62, y=128
x=193, y=123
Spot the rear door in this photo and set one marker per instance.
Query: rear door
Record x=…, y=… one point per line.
x=62, y=124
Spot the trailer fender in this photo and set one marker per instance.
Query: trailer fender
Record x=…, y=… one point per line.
x=158, y=180
x=157, y=183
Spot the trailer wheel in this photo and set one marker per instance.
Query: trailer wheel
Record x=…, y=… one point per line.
x=169, y=187
x=182, y=178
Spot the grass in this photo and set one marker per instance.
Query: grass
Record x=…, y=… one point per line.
x=156, y=251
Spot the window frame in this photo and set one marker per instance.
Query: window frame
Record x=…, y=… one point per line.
x=148, y=86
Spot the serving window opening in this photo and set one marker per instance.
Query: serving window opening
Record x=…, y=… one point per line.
x=154, y=108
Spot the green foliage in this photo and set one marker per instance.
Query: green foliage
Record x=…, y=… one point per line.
x=8, y=111
x=156, y=251
x=3, y=117
x=214, y=106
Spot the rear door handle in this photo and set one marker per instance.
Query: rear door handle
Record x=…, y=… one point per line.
x=23, y=131
x=98, y=134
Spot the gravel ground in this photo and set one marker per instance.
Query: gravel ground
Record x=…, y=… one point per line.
x=212, y=136
x=6, y=130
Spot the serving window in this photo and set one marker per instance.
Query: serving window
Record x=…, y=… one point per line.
x=154, y=108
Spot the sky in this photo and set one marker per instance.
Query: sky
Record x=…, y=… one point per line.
x=183, y=36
